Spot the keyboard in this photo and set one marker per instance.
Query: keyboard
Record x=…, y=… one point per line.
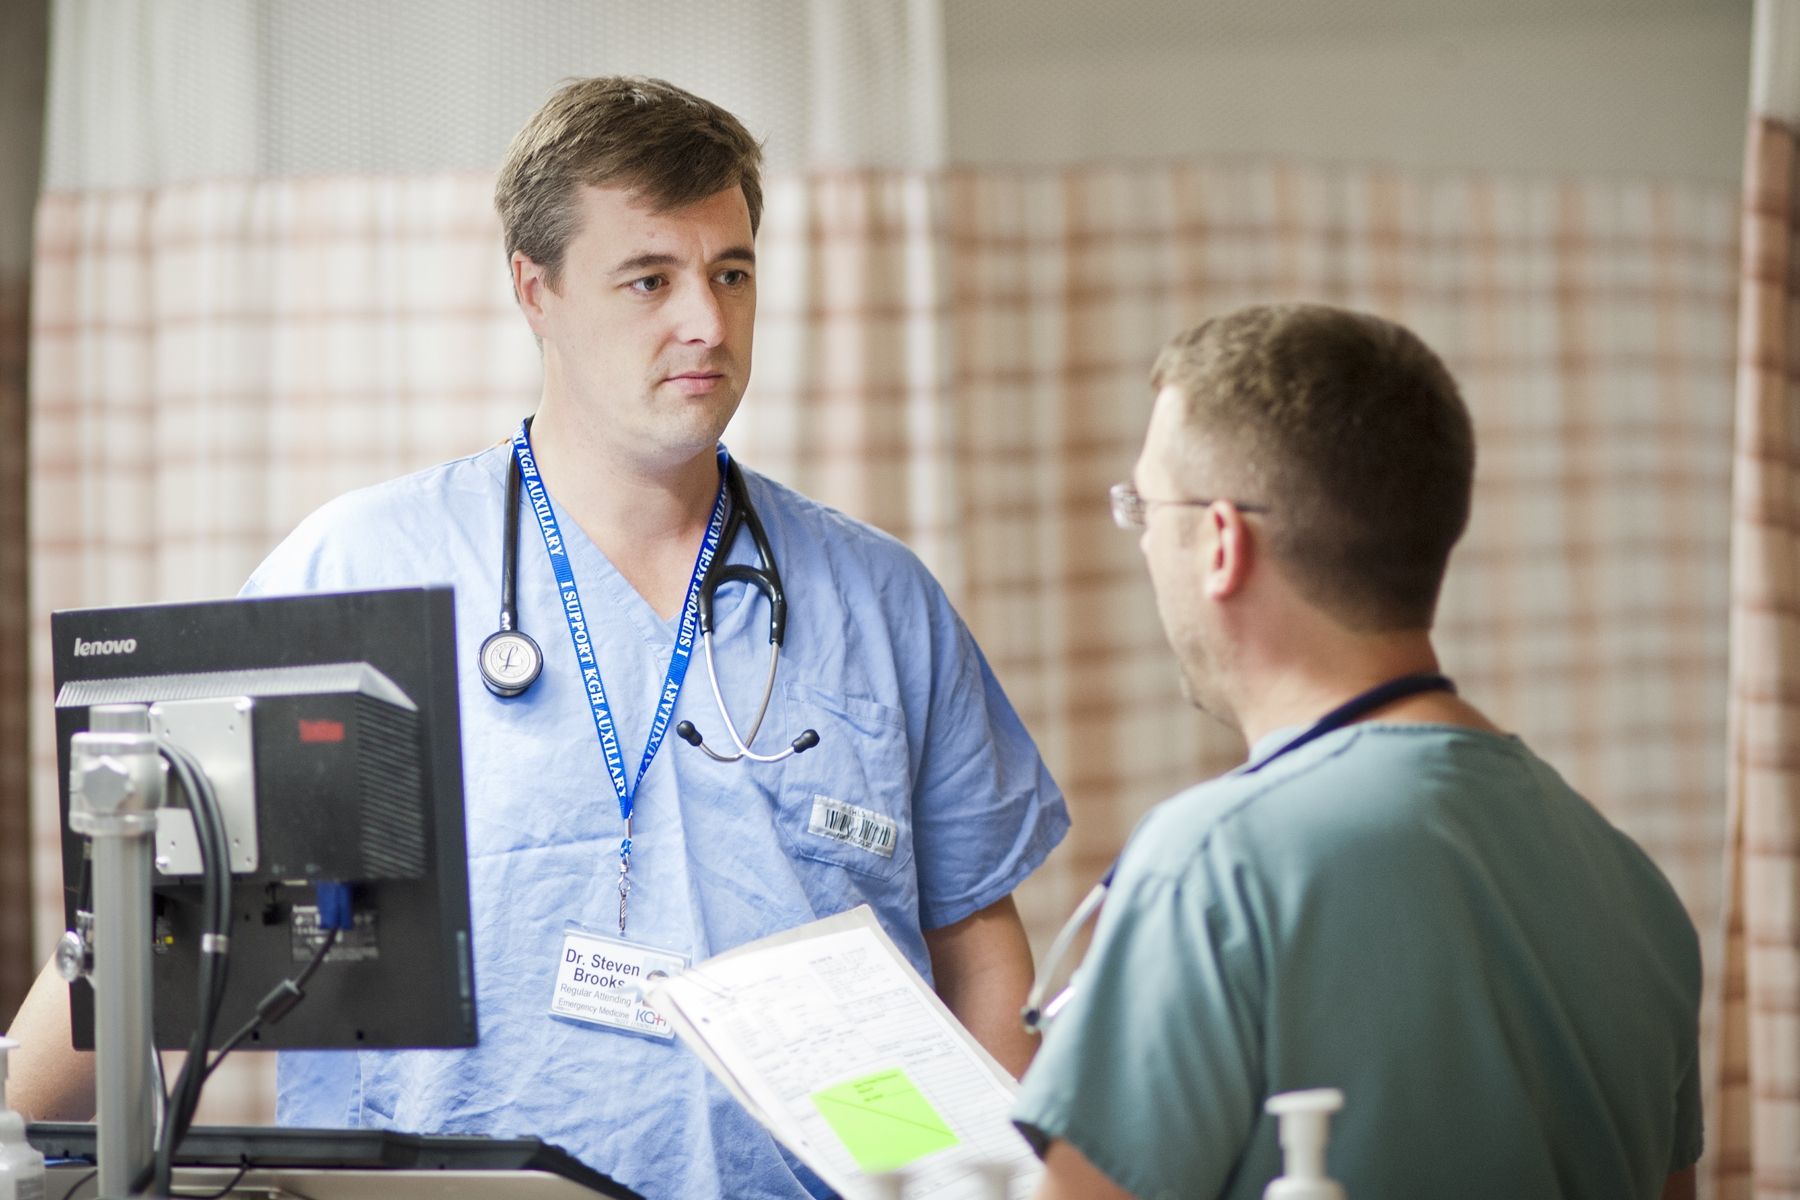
x=343, y=1164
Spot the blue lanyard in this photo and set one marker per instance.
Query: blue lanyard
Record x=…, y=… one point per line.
x=1035, y=1011
x=683, y=653
x=1357, y=706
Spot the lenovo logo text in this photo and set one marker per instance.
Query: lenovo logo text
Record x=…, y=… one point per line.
x=111, y=646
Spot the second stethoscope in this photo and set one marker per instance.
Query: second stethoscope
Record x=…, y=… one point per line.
x=511, y=661
x=1037, y=1013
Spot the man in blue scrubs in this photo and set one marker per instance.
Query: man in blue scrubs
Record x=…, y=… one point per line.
x=630, y=210
x=1391, y=897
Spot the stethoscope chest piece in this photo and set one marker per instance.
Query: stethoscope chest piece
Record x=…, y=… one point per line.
x=510, y=662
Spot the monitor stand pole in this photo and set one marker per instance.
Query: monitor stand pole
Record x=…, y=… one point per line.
x=116, y=786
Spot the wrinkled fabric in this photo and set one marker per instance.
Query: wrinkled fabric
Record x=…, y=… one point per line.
x=911, y=724
x=1503, y=985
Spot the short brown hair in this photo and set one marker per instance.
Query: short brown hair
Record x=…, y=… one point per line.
x=1352, y=432
x=666, y=144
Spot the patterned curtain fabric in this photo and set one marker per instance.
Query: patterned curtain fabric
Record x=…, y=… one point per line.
x=1591, y=327
x=1756, y=1130
x=21, y=147
x=16, y=956
x=267, y=271
x=961, y=357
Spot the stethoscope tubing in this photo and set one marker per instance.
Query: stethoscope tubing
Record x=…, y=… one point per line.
x=765, y=577
x=741, y=742
x=510, y=660
x=509, y=555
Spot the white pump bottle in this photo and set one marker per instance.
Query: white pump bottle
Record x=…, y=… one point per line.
x=1305, y=1128
x=21, y=1166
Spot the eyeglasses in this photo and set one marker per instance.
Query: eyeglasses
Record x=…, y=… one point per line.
x=1130, y=509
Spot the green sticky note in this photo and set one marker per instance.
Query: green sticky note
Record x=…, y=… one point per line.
x=883, y=1120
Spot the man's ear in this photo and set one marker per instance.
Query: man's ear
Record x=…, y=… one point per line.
x=1233, y=553
x=530, y=282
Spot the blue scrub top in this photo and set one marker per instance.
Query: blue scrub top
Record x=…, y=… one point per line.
x=912, y=726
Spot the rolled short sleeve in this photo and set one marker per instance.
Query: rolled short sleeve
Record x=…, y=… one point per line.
x=1154, y=1069
x=1690, y=1131
x=986, y=812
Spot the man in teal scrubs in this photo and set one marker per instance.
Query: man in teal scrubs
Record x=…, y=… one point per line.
x=1398, y=900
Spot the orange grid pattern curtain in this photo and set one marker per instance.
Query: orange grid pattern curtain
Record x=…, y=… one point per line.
x=961, y=357
x=1758, y=1115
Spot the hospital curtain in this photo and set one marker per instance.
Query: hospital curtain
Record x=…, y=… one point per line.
x=1757, y=1127
x=267, y=271
x=1591, y=326
x=15, y=840
x=958, y=354
x=21, y=146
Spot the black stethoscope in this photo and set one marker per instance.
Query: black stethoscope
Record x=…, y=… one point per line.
x=1036, y=1013
x=511, y=661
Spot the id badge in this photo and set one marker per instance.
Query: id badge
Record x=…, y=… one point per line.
x=599, y=980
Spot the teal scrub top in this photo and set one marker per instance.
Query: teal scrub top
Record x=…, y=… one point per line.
x=1427, y=917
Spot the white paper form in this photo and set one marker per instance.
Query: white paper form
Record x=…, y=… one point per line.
x=829, y=1038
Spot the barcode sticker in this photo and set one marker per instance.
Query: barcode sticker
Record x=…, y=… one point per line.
x=860, y=827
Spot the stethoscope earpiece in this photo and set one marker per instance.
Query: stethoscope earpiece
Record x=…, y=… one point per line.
x=806, y=741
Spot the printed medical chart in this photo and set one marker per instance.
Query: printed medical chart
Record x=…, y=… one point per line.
x=828, y=1036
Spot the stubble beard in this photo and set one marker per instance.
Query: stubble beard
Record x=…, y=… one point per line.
x=1200, y=684
x=695, y=421
x=708, y=413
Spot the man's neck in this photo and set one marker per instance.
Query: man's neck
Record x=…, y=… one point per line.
x=647, y=516
x=1301, y=687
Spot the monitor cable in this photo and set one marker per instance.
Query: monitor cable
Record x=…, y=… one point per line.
x=277, y=1004
x=215, y=947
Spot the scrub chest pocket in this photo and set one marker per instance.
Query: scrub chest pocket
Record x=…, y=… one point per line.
x=848, y=803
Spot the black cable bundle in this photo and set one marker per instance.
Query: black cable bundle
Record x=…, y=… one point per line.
x=215, y=865
x=277, y=1004
x=215, y=946
x=84, y=883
